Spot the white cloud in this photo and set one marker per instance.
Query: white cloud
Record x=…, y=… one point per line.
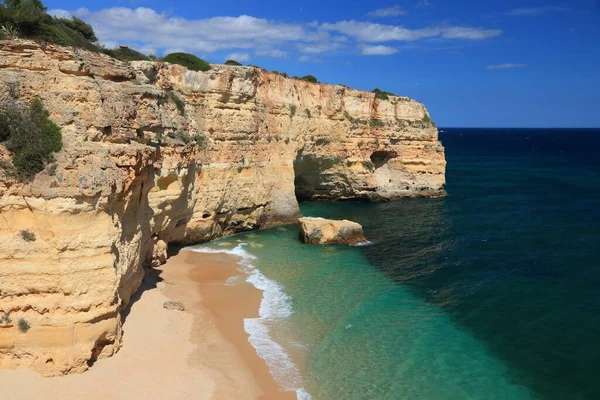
x=159, y=33
x=534, y=11
x=147, y=50
x=145, y=25
x=394, y=11
x=306, y=58
x=60, y=13
x=273, y=53
x=315, y=48
x=379, y=50
x=369, y=32
x=238, y=57
x=506, y=66
x=424, y=3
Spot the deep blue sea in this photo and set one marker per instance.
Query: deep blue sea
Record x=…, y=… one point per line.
x=492, y=292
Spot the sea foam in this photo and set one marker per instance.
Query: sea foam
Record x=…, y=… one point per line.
x=275, y=305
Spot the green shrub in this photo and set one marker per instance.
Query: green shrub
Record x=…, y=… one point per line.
x=376, y=123
x=26, y=15
x=5, y=319
x=284, y=74
x=354, y=120
x=380, y=94
x=28, y=18
x=189, y=61
x=426, y=119
x=125, y=54
x=23, y=325
x=310, y=78
x=200, y=140
x=170, y=96
x=8, y=30
x=293, y=109
x=182, y=137
x=81, y=27
x=233, y=62
x=52, y=169
x=30, y=136
x=27, y=236
x=369, y=165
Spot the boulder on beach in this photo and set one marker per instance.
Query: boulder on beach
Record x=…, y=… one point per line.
x=326, y=231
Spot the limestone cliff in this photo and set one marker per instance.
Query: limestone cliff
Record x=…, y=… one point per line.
x=156, y=154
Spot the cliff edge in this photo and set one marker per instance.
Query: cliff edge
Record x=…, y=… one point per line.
x=156, y=154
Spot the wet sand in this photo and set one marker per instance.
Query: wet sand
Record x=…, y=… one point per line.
x=200, y=353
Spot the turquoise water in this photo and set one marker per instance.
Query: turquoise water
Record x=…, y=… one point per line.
x=489, y=293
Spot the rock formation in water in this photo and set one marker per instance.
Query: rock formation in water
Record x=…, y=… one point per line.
x=329, y=231
x=156, y=154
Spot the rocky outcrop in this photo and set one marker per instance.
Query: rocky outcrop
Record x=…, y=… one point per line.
x=156, y=154
x=329, y=231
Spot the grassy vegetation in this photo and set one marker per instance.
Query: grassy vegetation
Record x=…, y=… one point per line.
x=233, y=62
x=353, y=120
x=380, y=94
x=189, y=61
x=293, y=109
x=376, y=123
x=30, y=136
x=170, y=96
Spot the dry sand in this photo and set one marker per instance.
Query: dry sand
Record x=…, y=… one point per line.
x=200, y=353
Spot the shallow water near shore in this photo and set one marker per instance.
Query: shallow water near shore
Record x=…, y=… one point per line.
x=488, y=293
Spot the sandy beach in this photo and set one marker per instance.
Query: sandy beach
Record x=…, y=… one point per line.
x=200, y=353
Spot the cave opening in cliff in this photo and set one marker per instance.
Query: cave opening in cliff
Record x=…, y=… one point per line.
x=310, y=182
x=380, y=158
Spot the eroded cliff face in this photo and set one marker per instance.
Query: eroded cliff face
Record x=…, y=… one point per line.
x=156, y=154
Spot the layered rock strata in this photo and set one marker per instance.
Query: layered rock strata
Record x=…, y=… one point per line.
x=157, y=154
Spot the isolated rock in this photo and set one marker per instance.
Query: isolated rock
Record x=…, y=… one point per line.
x=325, y=231
x=174, y=305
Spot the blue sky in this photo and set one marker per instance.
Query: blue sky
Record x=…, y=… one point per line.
x=473, y=63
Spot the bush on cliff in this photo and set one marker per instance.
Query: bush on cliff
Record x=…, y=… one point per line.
x=310, y=78
x=189, y=61
x=81, y=27
x=233, y=62
x=30, y=136
x=125, y=54
x=380, y=94
x=28, y=19
x=23, y=325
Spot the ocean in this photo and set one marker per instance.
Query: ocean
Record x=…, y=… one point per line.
x=492, y=292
